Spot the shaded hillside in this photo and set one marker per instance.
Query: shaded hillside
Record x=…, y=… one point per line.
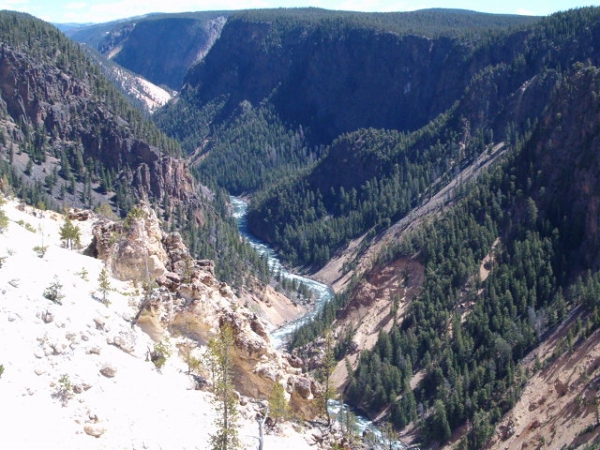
x=333, y=72
x=142, y=94
x=379, y=176
x=69, y=138
x=465, y=334
x=159, y=47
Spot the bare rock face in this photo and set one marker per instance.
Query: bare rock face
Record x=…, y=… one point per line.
x=139, y=254
x=193, y=303
x=301, y=385
x=133, y=250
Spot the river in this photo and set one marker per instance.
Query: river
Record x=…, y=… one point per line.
x=322, y=292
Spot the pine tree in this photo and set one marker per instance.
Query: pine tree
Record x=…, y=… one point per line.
x=219, y=362
x=104, y=286
x=279, y=407
x=326, y=372
x=70, y=233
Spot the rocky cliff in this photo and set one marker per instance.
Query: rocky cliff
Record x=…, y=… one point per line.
x=159, y=47
x=190, y=302
x=62, y=115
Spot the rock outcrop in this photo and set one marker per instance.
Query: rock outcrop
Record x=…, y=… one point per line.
x=191, y=302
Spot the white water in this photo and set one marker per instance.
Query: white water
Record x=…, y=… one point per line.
x=323, y=294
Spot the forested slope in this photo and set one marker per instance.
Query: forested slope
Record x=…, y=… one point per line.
x=468, y=337
x=317, y=74
x=69, y=138
x=371, y=178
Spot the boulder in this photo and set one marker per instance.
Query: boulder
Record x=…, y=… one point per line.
x=300, y=385
x=124, y=340
x=94, y=429
x=109, y=371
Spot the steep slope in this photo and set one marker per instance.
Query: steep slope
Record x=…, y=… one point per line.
x=379, y=175
x=69, y=138
x=506, y=287
x=62, y=119
x=76, y=371
x=334, y=72
x=318, y=74
x=159, y=47
x=141, y=93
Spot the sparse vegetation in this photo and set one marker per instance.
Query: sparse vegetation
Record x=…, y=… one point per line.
x=279, y=407
x=219, y=363
x=70, y=234
x=104, y=286
x=40, y=250
x=194, y=364
x=26, y=225
x=134, y=214
x=54, y=291
x=160, y=353
x=83, y=274
x=64, y=389
x=3, y=221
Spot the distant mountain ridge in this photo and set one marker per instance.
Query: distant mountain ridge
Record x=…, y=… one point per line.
x=159, y=47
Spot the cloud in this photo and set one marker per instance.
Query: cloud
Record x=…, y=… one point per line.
x=525, y=12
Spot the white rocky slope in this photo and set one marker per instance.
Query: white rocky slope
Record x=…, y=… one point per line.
x=117, y=393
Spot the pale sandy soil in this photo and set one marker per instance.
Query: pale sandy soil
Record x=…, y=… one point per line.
x=139, y=408
x=370, y=307
x=559, y=401
x=276, y=309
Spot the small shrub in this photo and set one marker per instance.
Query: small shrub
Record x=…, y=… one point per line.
x=187, y=353
x=3, y=221
x=64, y=389
x=3, y=260
x=54, y=292
x=160, y=353
x=83, y=273
x=1, y=370
x=40, y=250
x=26, y=225
x=104, y=286
x=133, y=214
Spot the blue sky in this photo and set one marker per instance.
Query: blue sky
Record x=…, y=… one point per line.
x=82, y=11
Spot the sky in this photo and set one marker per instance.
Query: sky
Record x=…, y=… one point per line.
x=82, y=11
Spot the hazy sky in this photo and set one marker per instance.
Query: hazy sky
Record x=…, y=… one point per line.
x=82, y=11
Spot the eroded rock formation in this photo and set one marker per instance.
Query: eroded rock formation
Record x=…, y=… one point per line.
x=191, y=302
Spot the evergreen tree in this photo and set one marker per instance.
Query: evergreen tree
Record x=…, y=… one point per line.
x=104, y=285
x=325, y=374
x=70, y=233
x=279, y=407
x=3, y=219
x=220, y=364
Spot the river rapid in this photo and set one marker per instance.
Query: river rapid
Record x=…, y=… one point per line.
x=322, y=293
